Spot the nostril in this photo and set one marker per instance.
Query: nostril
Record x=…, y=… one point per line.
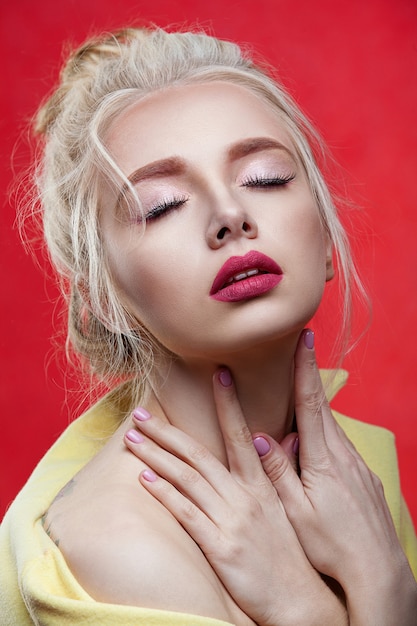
x=245, y=227
x=222, y=232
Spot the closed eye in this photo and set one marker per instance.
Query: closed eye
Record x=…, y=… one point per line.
x=267, y=181
x=166, y=206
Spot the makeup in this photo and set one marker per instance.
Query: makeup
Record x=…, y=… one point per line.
x=246, y=277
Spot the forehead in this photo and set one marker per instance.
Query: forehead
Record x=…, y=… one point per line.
x=192, y=121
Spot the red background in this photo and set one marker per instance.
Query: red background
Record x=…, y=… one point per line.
x=352, y=66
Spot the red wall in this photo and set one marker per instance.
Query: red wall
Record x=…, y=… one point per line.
x=353, y=66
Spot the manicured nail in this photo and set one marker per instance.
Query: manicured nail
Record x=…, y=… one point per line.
x=149, y=475
x=134, y=436
x=225, y=377
x=309, y=339
x=262, y=445
x=141, y=414
x=296, y=445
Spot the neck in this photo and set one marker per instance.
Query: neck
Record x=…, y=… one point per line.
x=264, y=385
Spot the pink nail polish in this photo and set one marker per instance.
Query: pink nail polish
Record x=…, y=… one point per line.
x=262, y=445
x=296, y=446
x=149, y=475
x=141, y=414
x=309, y=339
x=134, y=436
x=225, y=377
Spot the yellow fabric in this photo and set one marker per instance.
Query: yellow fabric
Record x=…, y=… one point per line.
x=36, y=585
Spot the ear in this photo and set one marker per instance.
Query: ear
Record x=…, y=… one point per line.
x=329, y=259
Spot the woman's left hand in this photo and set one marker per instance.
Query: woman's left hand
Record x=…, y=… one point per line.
x=235, y=516
x=337, y=506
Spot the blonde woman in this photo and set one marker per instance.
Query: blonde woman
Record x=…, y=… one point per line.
x=184, y=209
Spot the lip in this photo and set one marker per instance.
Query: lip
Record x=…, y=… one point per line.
x=268, y=276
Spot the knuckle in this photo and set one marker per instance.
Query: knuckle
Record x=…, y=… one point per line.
x=326, y=467
x=265, y=489
x=324, y=463
x=311, y=399
x=164, y=489
x=197, y=452
x=276, y=468
x=158, y=424
x=243, y=436
x=314, y=399
x=189, y=511
x=158, y=429
x=230, y=550
x=189, y=476
x=251, y=506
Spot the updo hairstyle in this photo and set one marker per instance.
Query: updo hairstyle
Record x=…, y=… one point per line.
x=97, y=83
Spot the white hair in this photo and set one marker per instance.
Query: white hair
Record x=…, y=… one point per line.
x=99, y=81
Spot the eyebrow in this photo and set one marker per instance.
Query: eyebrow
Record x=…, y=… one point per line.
x=174, y=166
x=165, y=167
x=256, y=144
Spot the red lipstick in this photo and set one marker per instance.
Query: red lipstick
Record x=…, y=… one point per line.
x=245, y=277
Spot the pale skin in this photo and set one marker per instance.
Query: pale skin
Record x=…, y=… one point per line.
x=334, y=503
x=176, y=542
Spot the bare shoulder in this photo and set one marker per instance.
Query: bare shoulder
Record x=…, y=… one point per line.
x=124, y=547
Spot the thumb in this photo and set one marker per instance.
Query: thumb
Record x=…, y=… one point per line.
x=290, y=445
x=279, y=461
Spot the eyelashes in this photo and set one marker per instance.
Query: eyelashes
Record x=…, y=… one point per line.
x=266, y=181
x=175, y=202
x=165, y=206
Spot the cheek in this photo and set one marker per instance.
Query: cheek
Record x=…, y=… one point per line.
x=306, y=255
x=154, y=285
x=301, y=233
x=313, y=244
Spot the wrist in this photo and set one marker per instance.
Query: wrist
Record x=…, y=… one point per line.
x=387, y=599
x=322, y=605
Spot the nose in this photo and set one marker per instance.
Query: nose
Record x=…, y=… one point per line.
x=228, y=224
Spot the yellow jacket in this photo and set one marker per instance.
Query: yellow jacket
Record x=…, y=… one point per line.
x=36, y=585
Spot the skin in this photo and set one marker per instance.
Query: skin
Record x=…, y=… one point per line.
x=327, y=491
x=191, y=536
x=178, y=257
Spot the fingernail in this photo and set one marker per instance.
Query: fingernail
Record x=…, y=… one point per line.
x=309, y=339
x=134, y=436
x=296, y=445
x=141, y=414
x=262, y=445
x=225, y=377
x=149, y=475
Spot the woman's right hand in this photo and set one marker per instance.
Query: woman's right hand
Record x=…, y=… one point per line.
x=338, y=509
x=236, y=517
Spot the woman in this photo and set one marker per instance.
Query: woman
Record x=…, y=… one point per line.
x=184, y=209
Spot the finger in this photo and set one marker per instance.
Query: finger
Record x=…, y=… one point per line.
x=280, y=465
x=291, y=445
x=322, y=441
x=179, y=459
x=242, y=458
x=178, y=443
x=310, y=403
x=174, y=446
x=318, y=429
x=198, y=525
